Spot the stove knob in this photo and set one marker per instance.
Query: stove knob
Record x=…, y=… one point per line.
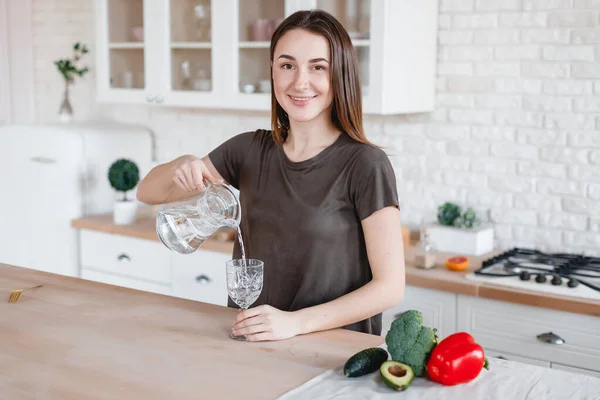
x=541, y=278
x=572, y=283
x=524, y=275
x=556, y=280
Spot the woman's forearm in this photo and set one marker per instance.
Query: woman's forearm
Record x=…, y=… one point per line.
x=371, y=299
x=157, y=185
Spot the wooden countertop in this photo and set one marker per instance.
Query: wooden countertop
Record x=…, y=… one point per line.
x=74, y=339
x=439, y=278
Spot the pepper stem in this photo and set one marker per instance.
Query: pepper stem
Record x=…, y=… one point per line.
x=486, y=364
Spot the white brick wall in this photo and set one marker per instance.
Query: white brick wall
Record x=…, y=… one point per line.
x=515, y=133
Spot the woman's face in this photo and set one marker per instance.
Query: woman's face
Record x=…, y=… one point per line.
x=302, y=75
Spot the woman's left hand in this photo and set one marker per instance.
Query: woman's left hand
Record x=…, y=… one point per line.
x=266, y=323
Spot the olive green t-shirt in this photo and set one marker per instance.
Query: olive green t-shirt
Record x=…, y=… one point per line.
x=303, y=219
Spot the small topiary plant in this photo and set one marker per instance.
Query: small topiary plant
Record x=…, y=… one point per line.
x=123, y=176
x=468, y=220
x=448, y=213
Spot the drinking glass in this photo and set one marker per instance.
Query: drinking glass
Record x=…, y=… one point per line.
x=244, y=284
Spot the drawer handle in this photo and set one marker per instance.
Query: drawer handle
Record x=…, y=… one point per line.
x=123, y=258
x=203, y=279
x=551, y=338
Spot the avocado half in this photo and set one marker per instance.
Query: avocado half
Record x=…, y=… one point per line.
x=396, y=375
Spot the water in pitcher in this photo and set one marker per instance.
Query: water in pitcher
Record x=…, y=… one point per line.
x=184, y=225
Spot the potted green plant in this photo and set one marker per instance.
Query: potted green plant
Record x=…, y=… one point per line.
x=123, y=176
x=459, y=231
x=68, y=68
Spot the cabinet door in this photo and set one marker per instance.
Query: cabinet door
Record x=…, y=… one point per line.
x=200, y=276
x=355, y=16
x=192, y=47
x=396, y=47
x=56, y=171
x=17, y=191
x=39, y=200
x=438, y=309
x=253, y=25
x=126, y=47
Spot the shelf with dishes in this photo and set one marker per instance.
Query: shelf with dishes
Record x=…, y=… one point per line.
x=191, y=45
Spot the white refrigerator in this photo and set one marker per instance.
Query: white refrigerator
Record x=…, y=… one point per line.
x=51, y=174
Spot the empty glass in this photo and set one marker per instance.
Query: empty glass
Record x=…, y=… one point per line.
x=244, y=284
x=184, y=225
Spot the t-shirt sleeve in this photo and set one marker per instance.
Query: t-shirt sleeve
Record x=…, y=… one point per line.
x=228, y=158
x=374, y=183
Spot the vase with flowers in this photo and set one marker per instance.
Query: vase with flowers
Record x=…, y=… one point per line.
x=69, y=69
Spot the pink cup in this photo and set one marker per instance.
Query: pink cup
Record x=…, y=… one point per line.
x=261, y=30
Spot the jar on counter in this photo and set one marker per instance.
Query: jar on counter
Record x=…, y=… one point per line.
x=425, y=257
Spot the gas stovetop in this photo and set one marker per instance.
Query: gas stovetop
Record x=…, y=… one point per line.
x=557, y=273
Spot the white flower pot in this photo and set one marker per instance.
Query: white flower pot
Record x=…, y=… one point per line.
x=124, y=212
x=449, y=239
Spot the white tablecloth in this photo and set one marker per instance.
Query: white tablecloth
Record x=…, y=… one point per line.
x=506, y=380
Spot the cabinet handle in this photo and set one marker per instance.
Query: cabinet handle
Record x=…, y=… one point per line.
x=149, y=99
x=159, y=99
x=123, y=258
x=203, y=279
x=551, y=338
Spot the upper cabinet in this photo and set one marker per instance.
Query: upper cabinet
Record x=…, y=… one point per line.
x=215, y=53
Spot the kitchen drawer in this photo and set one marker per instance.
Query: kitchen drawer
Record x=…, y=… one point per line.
x=125, y=256
x=513, y=328
x=437, y=307
x=125, y=282
x=576, y=370
x=507, y=356
x=201, y=276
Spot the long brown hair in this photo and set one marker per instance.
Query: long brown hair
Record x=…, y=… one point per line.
x=346, y=112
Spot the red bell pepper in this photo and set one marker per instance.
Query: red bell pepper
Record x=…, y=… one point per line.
x=456, y=359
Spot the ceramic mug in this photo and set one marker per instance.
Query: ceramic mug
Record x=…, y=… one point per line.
x=261, y=30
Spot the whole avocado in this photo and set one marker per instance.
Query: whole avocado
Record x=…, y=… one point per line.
x=409, y=342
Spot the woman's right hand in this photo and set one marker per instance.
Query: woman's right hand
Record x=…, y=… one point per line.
x=191, y=174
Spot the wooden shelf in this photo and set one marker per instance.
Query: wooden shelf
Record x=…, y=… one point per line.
x=126, y=45
x=361, y=42
x=191, y=45
x=255, y=45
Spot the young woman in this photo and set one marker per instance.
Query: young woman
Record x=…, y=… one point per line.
x=319, y=201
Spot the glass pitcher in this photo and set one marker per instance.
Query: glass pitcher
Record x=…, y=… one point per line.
x=183, y=226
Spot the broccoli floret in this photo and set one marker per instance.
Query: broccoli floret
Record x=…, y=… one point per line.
x=409, y=342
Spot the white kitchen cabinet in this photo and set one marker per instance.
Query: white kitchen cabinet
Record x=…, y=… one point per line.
x=215, y=54
x=200, y=276
x=125, y=261
x=438, y=309
x=514, y=329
